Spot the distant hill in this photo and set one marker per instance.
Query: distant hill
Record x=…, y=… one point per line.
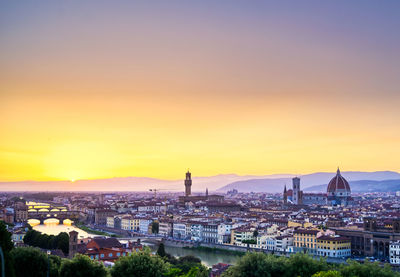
x=220, y=183
x=132, y=183
x=365, y=186
x=309, y=180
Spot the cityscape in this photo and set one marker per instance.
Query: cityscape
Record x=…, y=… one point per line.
x=199, y=138
x=336, y=224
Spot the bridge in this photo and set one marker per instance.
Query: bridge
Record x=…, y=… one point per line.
x=44, y=214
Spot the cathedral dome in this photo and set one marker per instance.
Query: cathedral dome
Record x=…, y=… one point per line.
x=338, y=183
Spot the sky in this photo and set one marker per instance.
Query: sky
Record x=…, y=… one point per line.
x=100, y=89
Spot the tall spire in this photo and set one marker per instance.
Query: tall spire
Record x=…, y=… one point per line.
x=285, y=189
x=338, y=171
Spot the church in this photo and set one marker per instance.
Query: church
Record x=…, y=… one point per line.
x=338, y=193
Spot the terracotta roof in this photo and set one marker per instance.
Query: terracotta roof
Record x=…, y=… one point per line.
x=107, y=242
x=338, y=182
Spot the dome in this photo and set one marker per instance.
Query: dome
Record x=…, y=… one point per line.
x=338, y=183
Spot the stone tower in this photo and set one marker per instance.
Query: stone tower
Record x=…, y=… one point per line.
x=285, y=196
x=188, y=184
x=73, y=243
x=296, y=191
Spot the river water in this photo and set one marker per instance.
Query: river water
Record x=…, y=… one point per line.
x=54, y=228
x=208, y=258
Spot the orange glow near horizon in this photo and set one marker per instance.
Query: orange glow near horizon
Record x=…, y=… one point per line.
x=102, y=93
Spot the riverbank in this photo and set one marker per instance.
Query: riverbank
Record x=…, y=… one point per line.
x=217, y=250
x=93, y=231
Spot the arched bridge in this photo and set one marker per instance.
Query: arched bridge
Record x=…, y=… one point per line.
x=44, y=214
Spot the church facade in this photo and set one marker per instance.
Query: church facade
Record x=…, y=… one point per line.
x=338, y=193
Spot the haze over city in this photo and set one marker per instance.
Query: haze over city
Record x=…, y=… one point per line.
x=101, y=89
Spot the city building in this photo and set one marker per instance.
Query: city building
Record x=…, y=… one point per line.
x=333, y=246
x=100, y=216
x=305, y=240
x=338, y=191
x=394, y=253
x=196, y=198
x=179, y=230
x=372, y=238
x=105, y=249
x=20, y=212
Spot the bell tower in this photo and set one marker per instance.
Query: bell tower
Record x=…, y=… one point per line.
x=73, y=243
x=296, y=191
x=188, y=184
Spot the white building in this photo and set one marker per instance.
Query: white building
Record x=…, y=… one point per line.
x=224, y=233
x=270, y=243
x=283, y=243
x=179, y=230
x=394, y=253
x=210, y=233
x=196, y=231
x=144, y=225
x=165, y=228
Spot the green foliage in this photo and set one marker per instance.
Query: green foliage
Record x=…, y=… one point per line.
x=37, y=239
x=29, y=261
x=94, y=232
x=305, y=265
x=155, y=227
x=5, y=238
x=190, y=265
x=258, y=264
x=255, y=233
x=196, y=271
x=249, y=241
x=330, y=273
x=82, y=266
x=161, y=250
x=140, y=264
x=6, y=245
x=367, y=269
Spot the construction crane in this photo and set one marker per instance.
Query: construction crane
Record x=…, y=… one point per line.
x=155, y=191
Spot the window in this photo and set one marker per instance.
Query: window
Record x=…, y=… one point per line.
x=110, y=255
x=101, y=255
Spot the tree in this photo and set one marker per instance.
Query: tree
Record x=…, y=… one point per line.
x=62, y=240
x=367, y=269
x=82, y=266
x=6, y=245
x=255, y=234
x=139, y=264
x=32, y=262
x=161, y=250
x=155, y=227
x=37, y=239
x=330, y=273
x=257, y=265
x=5, y=238
x=191, y=265
x=304, y=265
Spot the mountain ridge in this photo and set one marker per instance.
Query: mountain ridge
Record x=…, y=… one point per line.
x=219, y=183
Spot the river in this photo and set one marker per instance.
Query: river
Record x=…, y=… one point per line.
x=52, y=227
x=208, y=258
